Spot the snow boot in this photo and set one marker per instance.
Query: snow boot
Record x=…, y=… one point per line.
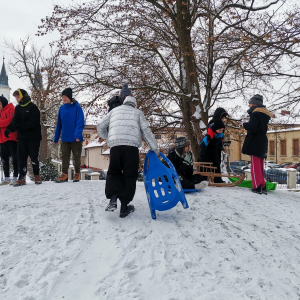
x=63, y=178
x=258, y=190
x=37, y=179
x=20, y=182
x=201, y=185
x=126, y=210
x=13, y=181
x=5, y=182
x=112, y=206
x=76, y=177
x=264, y=190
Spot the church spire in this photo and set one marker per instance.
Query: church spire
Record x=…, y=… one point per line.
x=38, y=80
x=3, y=76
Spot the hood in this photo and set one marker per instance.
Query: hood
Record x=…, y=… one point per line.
x=25, y=100
x=220, y=113
x=7, y=107
x=131, y=101
x=264, y=111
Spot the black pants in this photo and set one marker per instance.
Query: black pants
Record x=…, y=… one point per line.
x=31, y=148
x=9, y=149
x=189, y=183
x=122, y=173
x=213, y=157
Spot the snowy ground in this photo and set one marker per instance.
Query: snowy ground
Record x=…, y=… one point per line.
x=57, y=242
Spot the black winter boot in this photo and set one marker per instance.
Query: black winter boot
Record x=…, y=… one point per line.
x=264, y=190
x=112, y=206
x=258, y=190
x=126, y=210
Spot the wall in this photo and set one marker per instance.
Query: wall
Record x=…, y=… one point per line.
x=94, y=158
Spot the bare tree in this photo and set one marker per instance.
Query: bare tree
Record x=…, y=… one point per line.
x=180, y=56
x=45, y=78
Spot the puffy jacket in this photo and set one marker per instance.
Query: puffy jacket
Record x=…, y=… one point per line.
x=126, y=125
x=26, y=120
x=256, y=140
x=6, y=115
x=70, y=122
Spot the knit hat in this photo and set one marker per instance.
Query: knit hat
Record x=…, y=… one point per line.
x=181, y=143
x=125, y=91
x=68, y=92
x=256, y=99
x=218, y=124
x=4, y=101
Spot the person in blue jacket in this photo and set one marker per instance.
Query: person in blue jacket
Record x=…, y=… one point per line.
x=70, y=124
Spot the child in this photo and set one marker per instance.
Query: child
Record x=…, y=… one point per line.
x=256, y=141
x=209, y=146
x=182, y=159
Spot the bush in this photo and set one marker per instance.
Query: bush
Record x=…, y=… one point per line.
x=48, y=171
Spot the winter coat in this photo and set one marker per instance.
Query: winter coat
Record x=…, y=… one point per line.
x=177, y=161
x=210, y=143
x=126, y=125
x=26, y=120
x=114, y=102
x=6, y=115
x=70, y=122
x=256, y=139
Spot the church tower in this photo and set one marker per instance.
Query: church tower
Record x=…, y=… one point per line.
x=38, y=80
x=4, y=87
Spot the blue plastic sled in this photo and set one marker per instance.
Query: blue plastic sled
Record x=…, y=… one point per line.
x=162, y=184
x=191, y=191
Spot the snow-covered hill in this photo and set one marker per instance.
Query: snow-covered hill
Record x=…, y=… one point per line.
x=57, y=242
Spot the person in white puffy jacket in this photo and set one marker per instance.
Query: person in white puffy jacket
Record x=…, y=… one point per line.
x=123, y=128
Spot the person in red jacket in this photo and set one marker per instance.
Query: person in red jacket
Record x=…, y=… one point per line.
x=8, y=145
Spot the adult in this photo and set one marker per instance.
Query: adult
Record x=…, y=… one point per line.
x=8, y=145
x=123, y=128
x=70, y=125
x=182, y=159
x=256, y=141
x=26, y=122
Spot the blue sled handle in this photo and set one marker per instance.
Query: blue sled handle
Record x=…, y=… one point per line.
x=189, y=191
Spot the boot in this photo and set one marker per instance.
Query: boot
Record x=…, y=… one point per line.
x=264, y=190
x=13, y=181
x=37, y=179
x=126, y=210
x=112, y=206
x=76, y=177
x=5, y=182
x=258, y=190
x=63, y=178
x=201, y=185
x=20, y=182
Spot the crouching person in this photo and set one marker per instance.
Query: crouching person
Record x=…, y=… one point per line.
x=26, y=122
x=70, y=125
x=123, y=128
x=8, y=145
x=182, y=159
x=209, y=146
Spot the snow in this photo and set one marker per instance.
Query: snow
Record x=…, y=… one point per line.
x=95, y=143
x=284, y=130
x=57, y=242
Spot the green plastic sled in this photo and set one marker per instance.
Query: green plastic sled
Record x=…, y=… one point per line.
x=248, y=184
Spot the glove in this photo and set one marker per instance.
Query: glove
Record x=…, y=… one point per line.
x=188, y=160
x=7, y=132
x=244, y=121
x=156, y=151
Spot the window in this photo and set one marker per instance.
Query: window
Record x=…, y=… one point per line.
x=296, y=147
x=86, y=135
x=158, y=136
x=272, y=147
x=283, y=147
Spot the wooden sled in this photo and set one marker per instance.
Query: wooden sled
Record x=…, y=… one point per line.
x=206, y=169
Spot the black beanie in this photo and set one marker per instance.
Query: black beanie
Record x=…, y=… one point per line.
x=257, y=99
x=181, y=143
x=218, y=124
x=67, y=92
x=4, y=101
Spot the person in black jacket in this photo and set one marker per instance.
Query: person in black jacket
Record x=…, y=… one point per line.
x=26, y=122
x=182, y=159
x=256, y=141
x=118, y=100
x=209, y=146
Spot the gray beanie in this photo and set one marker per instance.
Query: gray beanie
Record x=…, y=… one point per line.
x=125, y=91
x=256, y=99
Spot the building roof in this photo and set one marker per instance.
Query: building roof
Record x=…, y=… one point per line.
x=284, y=130
x=3, y=76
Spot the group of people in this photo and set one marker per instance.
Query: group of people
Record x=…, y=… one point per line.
x=123, y=127
x=20, y=136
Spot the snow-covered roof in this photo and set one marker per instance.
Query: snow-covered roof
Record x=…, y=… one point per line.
x=106, y=152
x=95, y=143
x=284, y=130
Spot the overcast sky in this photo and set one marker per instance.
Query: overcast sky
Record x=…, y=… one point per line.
x=20, y=18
